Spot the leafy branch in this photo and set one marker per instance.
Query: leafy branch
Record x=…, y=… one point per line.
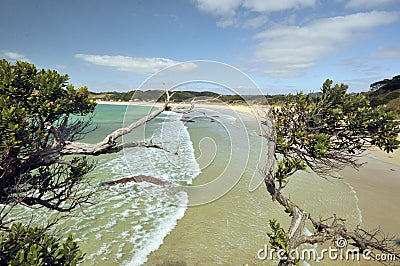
x=325, y=134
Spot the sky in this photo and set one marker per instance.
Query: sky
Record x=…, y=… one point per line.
x=284, y=46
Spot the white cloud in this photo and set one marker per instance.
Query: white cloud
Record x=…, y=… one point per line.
x=255, y=22
x=15, y=56
x=137, y=65
x=368, y=4
x=184, y=67
x=230, y=7
x=387, y=53
x=238, y=12
x=290, y=50
x=242, y=23
x=273, y=5
x=220, y=7
x=226, y=22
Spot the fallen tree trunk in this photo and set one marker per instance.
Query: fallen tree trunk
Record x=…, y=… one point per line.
x=136, y=179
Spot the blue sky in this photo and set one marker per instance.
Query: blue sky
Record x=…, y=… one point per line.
x=284, y=46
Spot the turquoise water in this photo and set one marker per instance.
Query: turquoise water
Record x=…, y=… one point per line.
x=129, y=221
x=126, y=223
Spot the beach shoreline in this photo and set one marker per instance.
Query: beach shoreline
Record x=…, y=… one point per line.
x=361, y=183
x=375, y=186
x=242, y=108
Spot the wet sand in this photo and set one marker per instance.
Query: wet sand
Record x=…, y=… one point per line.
x=377, y=184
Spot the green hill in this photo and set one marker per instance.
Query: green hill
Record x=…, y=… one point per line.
x=181, y=96
x=386, y=92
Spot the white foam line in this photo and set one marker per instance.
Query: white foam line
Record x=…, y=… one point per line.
x=354, y=192
x=194, y=163
x=155, y=238
x=150, y=241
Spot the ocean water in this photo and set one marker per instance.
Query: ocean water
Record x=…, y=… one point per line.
x=232, y=229
x=209, y=163
x=129, y=221
x=124, y=223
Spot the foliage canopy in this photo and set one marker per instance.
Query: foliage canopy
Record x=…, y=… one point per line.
x=33, y=173
x=31, y=102
x=34, y=246
x=325, y=133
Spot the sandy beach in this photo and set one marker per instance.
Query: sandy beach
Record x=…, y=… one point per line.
x=242, y=108
x=376, y=185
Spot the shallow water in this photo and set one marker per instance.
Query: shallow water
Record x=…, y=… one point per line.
x=232, y=229
x=141, y=223
x=125, y=223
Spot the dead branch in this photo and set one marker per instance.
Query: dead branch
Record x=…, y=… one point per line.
x=61, y=146
x=109, y=144
x=136, y=179
x=98, y=149
x=190, y=109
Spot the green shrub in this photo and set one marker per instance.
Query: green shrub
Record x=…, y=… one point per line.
x=34, y=246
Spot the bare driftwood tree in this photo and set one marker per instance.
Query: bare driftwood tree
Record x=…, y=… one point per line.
x=325, y=134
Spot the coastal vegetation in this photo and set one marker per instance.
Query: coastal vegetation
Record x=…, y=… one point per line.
x=386, y=92
x=26, y=246
x=324, y=134
x=184, y=96
x=43, y=164
x=32, y=171
x=43, y=118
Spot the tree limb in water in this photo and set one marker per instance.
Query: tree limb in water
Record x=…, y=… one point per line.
x=136, y=179
x=40, y=175
x=109, y=143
